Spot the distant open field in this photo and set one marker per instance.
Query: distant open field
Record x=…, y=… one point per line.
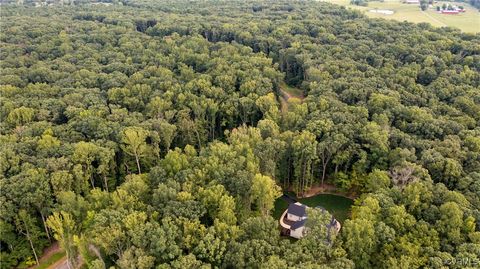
x=467, y=22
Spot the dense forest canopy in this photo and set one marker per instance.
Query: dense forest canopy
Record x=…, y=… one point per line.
x=155, y=134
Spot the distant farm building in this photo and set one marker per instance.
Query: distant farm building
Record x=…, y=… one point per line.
x=450, y=11
x=382, y=11
x=412, y=1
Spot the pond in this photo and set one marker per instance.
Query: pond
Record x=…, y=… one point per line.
x=338, y=206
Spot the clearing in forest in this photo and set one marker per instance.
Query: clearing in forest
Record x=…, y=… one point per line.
x=287, y=92
x=51, y=257
x=338, y=206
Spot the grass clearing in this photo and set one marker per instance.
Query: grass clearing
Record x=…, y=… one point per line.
x=280, y=206
x=44, y=261
x=337, y=205
x=287, y=92
x=51, y=260
x=468, y=22
x=291, y=91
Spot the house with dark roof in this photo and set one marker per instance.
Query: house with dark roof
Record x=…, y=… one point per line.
x=294, y=218
x=298, y=229
x=296, y=212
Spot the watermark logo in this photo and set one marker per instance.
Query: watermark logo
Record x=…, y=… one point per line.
x=462, y=262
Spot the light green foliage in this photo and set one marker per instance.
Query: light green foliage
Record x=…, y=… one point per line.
x=360, y=241
x=20, y=116
x=92, y=161
x=412, y=232
x=304, y=147
x=450, y=223
x=133, y=140
x=377, y=180
x=48, y=141
x=264, y=193
x=64, y=230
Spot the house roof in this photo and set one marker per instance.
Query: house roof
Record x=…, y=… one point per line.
x=297, y=209
x=298, y=224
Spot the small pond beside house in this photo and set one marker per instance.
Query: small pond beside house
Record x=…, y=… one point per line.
x=338, y=206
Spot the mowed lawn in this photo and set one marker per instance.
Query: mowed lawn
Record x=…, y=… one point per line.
x=337, y=205
x=468, y=21
x=292, y=91
x=46, y=262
